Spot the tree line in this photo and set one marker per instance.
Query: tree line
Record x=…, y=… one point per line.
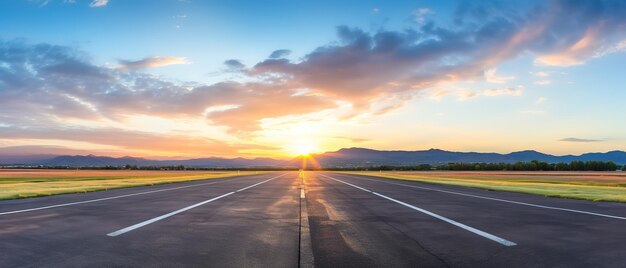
x=136, y=167
x=517, y=166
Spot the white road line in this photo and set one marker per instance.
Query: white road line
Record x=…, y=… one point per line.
x=105, y=198
x=455, y=223
x=153, y=220
x=258, y=183
x=504, y=200
x=302, y=196
x=141, y=224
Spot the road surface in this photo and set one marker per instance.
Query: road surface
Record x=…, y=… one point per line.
x=324, y=219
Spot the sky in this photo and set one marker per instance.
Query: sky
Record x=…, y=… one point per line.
x=275, y=78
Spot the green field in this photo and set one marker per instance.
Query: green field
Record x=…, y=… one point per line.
x=32, y=183
x=594, y=186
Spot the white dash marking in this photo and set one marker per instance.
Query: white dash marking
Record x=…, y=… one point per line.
x=503, y=200
x=302, y=194
x=153, y=220
x=105, y=198
x=256, y=184
x=450, y=221
x=141, y=224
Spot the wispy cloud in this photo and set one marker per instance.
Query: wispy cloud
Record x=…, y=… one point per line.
x=43, y=3
x=541, y=100
x=512, y=91
x=133, y=141
x=541, y=74
x=234, y=65
x=353, y=140
x=151, y=62
x=280, y=53
x=533, y=112
x=419, y=15
x=492, y=77
x=543, y=82
x=99, y=3
x=572, y=139
x=466, y=94
x=595, y=31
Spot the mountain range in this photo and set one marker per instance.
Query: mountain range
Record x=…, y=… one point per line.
x=360, y=157
x=347, y=157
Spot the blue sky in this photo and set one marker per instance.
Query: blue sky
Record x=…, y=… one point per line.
x=209, y=32
x=458, y=75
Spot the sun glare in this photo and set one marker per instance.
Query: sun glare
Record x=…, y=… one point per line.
x=303, y=148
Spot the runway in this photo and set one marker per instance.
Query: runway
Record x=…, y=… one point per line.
x=323, y=219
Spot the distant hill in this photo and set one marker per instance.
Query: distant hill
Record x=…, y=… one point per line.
x=351, y=157
x=216, y=162
x=91, y=160
x=347, y=157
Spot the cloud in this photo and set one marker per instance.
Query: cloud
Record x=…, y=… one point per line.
x=151, y=62
x=363, y=67
x=419, y=15
x=541, y=100
x=544, y=77
x=620, y=47
x=593, y=27
x=541, y=74
x=43, y=3
x=465, y=94
x=46, y=83
x=99, y=3
x=572, y=139
x=280, y=53
x=543, y=82
x=130, y=141
x=353, y=140
x=29, y=150
x=371, y=73
x=512, y=91
x=492, y=77
x=234, y=65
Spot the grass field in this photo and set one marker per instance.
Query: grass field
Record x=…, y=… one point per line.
x=16, y=183
x=594, y=186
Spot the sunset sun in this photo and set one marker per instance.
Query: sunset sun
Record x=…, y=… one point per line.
x=303, y=148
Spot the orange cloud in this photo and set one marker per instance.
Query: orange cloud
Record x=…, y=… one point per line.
x=576, y=54
x=140, y=143
x=151, y=62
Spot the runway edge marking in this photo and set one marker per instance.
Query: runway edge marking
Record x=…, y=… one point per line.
x=489, y=236
x=502, y=200
x=114, y=197
x=153, y=220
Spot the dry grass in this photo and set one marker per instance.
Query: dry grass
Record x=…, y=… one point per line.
x=594, y=186
x=31, y=183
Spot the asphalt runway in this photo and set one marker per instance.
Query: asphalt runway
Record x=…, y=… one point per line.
x=324, y=220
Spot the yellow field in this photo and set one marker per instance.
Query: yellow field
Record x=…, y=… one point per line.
x=17, y=183
x=594, y=186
